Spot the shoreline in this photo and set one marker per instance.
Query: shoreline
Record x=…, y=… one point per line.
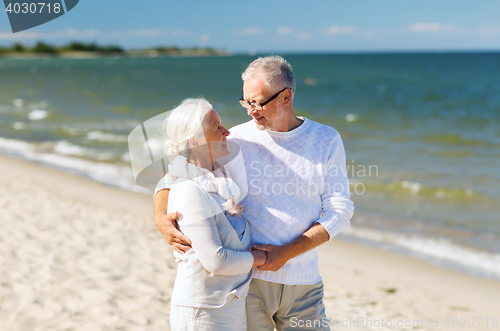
x=439, y=251
x=76, y=251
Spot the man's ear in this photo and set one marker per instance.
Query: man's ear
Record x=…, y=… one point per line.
x=287, y=96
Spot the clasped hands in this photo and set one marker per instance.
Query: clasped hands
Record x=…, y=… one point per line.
x=266, y=257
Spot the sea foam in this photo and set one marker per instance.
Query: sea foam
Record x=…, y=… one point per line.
x=481, y=262
x=111, y=174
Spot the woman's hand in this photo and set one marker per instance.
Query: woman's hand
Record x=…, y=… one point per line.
x=277, y=256
x=259, y=257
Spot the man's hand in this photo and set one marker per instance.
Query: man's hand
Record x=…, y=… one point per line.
x=277, y=256
x=167, y=225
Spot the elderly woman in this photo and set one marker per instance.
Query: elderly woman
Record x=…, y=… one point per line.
x=212, y=278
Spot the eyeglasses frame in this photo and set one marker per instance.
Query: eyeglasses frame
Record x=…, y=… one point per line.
x=245, y=103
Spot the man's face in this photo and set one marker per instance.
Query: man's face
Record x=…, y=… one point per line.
x=273, y=114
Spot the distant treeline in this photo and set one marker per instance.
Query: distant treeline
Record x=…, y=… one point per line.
x=78, y=47
x=41, y=47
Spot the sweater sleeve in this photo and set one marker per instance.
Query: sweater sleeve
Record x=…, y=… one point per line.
x=336, y=206
x=161, y=185
x=198, y=223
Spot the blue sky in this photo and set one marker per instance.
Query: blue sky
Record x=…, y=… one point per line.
x=276, y=26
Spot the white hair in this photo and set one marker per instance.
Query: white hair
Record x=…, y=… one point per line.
x=275, y=68
x=182, y=123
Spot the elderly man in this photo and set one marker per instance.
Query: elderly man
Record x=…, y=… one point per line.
x=298, y=198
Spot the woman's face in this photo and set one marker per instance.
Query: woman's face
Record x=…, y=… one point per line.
x=215, y=135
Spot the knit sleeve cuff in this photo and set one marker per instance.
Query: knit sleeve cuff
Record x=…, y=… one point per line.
x=333, y=223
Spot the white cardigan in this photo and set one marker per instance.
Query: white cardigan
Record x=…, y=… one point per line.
x=219, y=263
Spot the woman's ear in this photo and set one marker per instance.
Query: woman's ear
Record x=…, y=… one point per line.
x=193, y=142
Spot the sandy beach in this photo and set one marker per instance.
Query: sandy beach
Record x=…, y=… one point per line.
x=79, y=255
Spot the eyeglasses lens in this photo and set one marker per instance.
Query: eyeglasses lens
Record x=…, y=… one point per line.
x=254, y=105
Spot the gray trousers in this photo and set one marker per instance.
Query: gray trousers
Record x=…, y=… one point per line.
x=285, y=307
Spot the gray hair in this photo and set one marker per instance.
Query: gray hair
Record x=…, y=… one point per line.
x=275, y=68
x=182, y=123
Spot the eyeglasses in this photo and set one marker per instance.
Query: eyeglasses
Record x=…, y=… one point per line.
x=259, y=106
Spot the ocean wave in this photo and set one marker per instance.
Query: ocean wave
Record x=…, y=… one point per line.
x=456, y=140
x=106, y=137
x=19, y=103
x=351, y=117
x=38, y=114
x=102, y=129
x=13, y=146
x=18, y=126
x=414, y=188
x=65, y=148
x=111, y=174
x=439, y=248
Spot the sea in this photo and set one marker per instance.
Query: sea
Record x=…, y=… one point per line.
x=421, y=133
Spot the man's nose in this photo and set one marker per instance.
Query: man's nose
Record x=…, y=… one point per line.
x=251, y=110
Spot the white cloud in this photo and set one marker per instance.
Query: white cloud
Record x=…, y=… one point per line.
x=285, y=30
x=250, y=31
x=372, y=35
x=431, y=27
x=489, y=31
x=176, y=32
x=153, y=32
x=329, y=31
x=91, y=32
x=22, y=35
x=296, y=33
x=73, y=33
x=335, y=29
x=115, y=34
x=205, y=38
x=70, y=32
x=145, y=33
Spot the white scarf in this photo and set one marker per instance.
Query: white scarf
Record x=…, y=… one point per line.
x=225, y=187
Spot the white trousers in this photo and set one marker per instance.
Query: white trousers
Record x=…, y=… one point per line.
x=230, y=317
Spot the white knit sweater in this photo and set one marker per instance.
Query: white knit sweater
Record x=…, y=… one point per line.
x=219, y=264
x=293, y=179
